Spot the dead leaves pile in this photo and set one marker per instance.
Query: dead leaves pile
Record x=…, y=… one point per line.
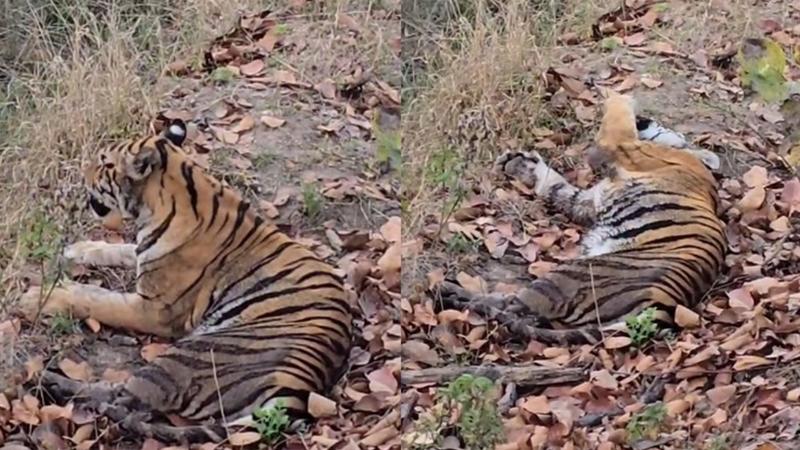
x=250, y=51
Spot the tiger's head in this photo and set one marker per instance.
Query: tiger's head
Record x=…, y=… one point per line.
x=116, y=175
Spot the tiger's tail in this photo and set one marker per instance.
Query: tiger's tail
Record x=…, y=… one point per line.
x=619, y=122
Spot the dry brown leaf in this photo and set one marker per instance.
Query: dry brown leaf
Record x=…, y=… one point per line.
x=224, y=136
x=475, y=284
x=252, y=68
x=382, y=380
x=391, y=260
x=33, y=366
x=282, y=196
x=152, y=351
x=613, y=342
x=536, y=404
x=746, y=362
x=391, y=230
x=345, y=21
x=26, y=410
x=269, y=209
x=634, y=39
x=756, y=177
x=327, y=88
x=686, y=318
x=741, y=298
x=49, y=413
x=285, y=77
x=319, y=406
x=649, y=18
x=272, y=122
x=721, y=394
x=379, y=437
x=74, y=370
x=702, y=355
x=791, y=194
x=419, y=351
x=115, y=376
x=93, y=325
x=246, y=124
x=269, y=40
x=435, y=277
x=753, y=199
x=83, y=433
x=243, y=438
x=604, y=379
x=651, y=82
x=677, y=407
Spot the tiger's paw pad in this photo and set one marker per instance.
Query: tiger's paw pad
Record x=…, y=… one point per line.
x=520, y=165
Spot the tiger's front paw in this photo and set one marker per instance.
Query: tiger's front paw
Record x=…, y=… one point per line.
x=519, y=165
x=101, y=254
x=41, y=301
x=83, y=252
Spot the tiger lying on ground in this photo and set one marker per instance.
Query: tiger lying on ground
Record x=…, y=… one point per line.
x=259, y=317
x=654, y=238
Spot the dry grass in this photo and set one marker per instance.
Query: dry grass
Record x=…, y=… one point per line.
x=475, y=72
x=74, y=75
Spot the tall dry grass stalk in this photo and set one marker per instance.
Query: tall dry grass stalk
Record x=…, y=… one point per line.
x=486, y=62
x=75, y=74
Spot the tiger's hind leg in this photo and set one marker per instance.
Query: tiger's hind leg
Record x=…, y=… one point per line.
x=118, y=405
x=530, y=169
x=515, y=314
x=102, y=254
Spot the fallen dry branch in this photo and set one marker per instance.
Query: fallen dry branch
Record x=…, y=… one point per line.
x=525, y=375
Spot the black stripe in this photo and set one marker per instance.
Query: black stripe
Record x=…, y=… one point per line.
x=188, y=177
x=153, y=237
x=214, y=209
x=642, y=210
x=261, y=263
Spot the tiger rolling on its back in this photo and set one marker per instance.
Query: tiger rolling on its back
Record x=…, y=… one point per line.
x=653, y=237
x=259, y=317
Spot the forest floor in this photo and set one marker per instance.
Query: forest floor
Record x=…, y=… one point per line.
x=729, y=378
x=299, y=110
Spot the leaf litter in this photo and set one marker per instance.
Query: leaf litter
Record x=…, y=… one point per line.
x=727, y=376
x=243, y=131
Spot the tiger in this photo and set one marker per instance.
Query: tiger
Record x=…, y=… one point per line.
x=258, y=319
x=653, y=235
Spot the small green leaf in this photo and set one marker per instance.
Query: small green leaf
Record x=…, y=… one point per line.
x=762, y=69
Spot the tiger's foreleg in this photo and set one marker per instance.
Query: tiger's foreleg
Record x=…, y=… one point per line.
x=99, y=253
x=129, y=311
x=530, y=169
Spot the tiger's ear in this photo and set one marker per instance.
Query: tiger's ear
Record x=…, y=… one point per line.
x=141, y=161
x=176, y=132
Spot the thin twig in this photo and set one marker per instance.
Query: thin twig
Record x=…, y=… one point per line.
x=219, y=393
x=596, y=306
